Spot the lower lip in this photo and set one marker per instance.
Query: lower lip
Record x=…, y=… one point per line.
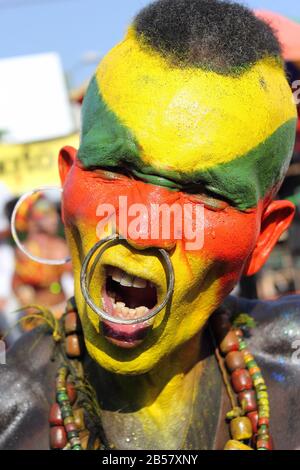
x=124, y=336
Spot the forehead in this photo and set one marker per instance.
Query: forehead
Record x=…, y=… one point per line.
x=188, y=123
x=189, y=115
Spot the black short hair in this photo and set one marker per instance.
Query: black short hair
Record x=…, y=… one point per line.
x=217, y=35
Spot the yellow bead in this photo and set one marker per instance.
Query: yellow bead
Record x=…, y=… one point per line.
x=241, y=428
x=236, y=445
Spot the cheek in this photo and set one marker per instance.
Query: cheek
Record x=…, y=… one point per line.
x=230, y=236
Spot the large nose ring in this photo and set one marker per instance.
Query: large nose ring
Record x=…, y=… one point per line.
x=102, y=246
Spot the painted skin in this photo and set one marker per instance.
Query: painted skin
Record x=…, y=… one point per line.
x=236, y=241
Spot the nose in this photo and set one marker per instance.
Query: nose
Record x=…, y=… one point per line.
x=149, y=218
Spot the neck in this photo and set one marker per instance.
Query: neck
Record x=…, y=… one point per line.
x=159, y=403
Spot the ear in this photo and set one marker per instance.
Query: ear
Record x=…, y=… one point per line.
x=276, y=218
x=66, y=159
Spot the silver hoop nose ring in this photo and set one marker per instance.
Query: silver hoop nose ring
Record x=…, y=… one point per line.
x=102, y=246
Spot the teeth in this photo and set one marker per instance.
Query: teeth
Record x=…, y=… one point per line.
x=125, y=312
x=117, y=275
x=126, y=280
x=120, y=304
x=139, y=282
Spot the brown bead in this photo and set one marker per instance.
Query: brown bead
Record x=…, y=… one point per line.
x=72, y=394
x=247, y=400
x=55, y=417
x=58, y=437
x=253, y=416
x=229, y=343
x=79, y=418
x=73, y=346
x=241, y=380
x=241, y=428
x=236, y=445
x=72, y=323
x=239, y=332
x=235, y=360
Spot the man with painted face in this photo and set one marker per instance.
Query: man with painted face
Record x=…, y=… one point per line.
x=192, y=107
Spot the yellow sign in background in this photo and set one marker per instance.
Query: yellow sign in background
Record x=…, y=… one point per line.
x=25, y=167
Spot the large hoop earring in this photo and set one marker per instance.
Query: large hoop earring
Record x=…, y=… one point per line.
x=51, y=262
x=102, y=246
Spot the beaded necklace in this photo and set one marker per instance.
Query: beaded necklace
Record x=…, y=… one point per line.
x=245, y=386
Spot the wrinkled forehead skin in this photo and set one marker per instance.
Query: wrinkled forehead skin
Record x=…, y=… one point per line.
x=233, y=134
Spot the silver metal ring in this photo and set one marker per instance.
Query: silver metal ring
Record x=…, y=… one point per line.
x=37, y=259
x=84, y=282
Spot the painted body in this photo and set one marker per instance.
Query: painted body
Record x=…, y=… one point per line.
x=154, y=132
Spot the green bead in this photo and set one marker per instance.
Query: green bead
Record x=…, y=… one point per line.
x=261, y=395
x=251, y=364
x=76, y=447
x=257, y=375
x=261, y=387
x=263, y=402
x=243, y=345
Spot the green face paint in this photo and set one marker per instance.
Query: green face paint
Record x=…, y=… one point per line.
x=107, y=143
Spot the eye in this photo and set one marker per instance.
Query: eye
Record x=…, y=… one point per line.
x=209, y=202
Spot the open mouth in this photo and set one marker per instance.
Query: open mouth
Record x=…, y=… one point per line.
x=127, y=297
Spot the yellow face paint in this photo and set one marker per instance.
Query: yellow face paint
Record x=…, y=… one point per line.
x=200, y=118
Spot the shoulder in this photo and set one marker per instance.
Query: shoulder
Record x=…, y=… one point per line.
x=26, y=392
x=275, y=343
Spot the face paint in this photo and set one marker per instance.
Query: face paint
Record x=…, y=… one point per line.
x=229, y=131
x=159, y=134
x=202, y=278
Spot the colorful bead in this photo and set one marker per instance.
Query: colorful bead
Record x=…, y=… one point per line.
x=79, y=418
x=73, y=346
x=72, y=323
x=241, y=428
x=236, y=445
x=71, y=427
x=234, y=360
x=241, y=380
x=58, y=437
x=72, y=394
x=229, y=343
x=253, y=416
x=247, y=400
x=55, y=417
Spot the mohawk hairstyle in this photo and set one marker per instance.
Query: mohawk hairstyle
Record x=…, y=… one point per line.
x=217, y=35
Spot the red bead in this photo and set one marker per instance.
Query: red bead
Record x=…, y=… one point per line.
x=247, y=400
x=263, y=420
x=241, y=380
x=71, y=427
x=264, y=444
x=235, y=360
x=58, y=437
x=55, y=418
x=253, y=416
x=72, y=394
x=229, y=343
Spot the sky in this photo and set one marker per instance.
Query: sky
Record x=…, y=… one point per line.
x=74, y=28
